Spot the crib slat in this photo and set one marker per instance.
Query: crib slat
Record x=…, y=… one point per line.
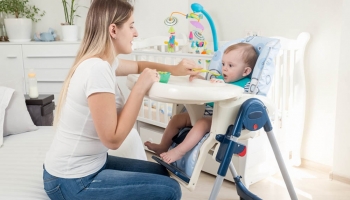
x=157, y=111
x=291, y=78
x=277, y=82
x=279, y=87
x=284, y=85
x=166, y=112
x=149, y=116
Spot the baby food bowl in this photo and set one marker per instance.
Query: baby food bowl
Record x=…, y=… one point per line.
x=164, y=76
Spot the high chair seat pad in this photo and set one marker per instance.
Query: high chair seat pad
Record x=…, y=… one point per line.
x=187, y=163
x=180, y=90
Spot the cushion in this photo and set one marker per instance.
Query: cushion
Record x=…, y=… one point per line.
x=261, y=78
x=17, y=119
x=5, y=96
x=189, y=160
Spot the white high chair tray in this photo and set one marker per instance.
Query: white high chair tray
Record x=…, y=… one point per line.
x=180, y=90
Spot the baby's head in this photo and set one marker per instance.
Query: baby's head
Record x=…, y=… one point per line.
x=238, y=61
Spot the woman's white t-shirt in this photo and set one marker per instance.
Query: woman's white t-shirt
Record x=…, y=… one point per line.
x=76, y=150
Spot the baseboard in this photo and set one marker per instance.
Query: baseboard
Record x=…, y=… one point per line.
x=323, y=168
x=339, y=178
x=308, y=164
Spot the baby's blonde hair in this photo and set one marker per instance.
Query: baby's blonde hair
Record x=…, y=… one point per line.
x=248, y=52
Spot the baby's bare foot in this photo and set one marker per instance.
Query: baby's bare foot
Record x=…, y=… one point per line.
x=172, y=156
x=157, y=148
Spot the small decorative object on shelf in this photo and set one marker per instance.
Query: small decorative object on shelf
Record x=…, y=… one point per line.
x=41, y=109
x=33, y=84
x=45, y=36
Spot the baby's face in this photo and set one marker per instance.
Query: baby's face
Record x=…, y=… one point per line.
x=233, y=66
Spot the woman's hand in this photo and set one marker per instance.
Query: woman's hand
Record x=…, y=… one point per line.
x=213, y=80
x=146, y=80
x=185, y=67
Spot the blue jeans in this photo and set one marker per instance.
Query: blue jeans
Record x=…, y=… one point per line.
x=119, y=178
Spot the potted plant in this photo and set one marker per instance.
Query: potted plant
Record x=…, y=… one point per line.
x=69, y=29
x=19, y=27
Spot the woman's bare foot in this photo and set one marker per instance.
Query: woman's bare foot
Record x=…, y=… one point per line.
x=157, y=148
x=172, y=155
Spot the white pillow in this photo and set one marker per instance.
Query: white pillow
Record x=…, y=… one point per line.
x=5, y=96
x=17, y=118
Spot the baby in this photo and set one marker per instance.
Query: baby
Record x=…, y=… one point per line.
x=238, y=62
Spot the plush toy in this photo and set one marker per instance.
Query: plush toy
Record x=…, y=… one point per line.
x=45, y=36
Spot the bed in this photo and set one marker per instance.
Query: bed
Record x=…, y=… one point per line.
x=22, y=156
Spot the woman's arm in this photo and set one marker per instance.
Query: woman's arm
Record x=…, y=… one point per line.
x=111, y=128
x=127, y=67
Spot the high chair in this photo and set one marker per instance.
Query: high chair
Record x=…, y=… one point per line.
x=236, y=112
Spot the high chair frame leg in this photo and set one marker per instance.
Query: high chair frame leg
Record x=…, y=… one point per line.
x=241, y=189
x=251, y=116
x=216, y=188
x=281, y=165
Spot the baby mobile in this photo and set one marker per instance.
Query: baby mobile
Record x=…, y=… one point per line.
x=196, y=38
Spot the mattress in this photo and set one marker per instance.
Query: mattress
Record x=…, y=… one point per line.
x=22, y=157
x=21, y=164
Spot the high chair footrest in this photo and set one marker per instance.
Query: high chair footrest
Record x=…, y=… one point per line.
x=176, y=171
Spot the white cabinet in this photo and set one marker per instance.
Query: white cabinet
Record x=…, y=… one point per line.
x=51, y=62
x=11, y=61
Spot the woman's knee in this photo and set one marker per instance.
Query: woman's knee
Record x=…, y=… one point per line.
x=173, y=190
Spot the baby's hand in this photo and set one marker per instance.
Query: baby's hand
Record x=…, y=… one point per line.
x=214, y=80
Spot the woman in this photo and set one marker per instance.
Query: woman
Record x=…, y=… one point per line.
x=87, y=125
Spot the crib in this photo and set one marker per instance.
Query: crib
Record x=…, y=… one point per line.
x=287, y=93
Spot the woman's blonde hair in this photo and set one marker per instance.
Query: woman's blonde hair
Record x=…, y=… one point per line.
x=96, y=40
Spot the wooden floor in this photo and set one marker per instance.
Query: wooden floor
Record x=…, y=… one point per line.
x=308, y=185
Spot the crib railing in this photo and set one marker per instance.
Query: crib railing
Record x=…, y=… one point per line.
x=289, y=95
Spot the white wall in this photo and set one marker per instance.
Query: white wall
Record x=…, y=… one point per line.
x=55, y=15
x=341, y=163
x=321, y=18
x=149, y=16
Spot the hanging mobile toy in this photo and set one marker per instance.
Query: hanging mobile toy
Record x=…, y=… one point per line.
x=171, y=43
x=197, y=15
